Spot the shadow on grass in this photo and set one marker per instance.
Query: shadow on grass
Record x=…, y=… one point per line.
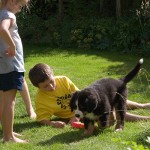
x=42, y=49
x=128, y=60
x=67, y=137
x=19, y=127
x=112, y=55
x=71, y=137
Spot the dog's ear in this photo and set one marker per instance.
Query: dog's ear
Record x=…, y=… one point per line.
x=92, y=101
x=91, y=105
x=73, y=100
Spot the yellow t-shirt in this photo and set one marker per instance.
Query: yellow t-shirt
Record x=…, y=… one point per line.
x=48, y=103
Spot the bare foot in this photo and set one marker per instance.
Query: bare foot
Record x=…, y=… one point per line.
x=16, y=134
x=15, y=139
x=146, y=105
x=134, y=105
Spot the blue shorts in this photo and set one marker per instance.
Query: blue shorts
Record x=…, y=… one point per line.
x=12, y=80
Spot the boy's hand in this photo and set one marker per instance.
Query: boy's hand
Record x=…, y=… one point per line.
x=57, y=124
x=74, y=119
x=10, y=52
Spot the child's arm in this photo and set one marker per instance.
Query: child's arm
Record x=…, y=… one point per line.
x=5, y=35
x=56, y=124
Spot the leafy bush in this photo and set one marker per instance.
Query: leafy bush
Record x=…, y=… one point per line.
x=128, y=34
x=131, y=145
x=93, y=36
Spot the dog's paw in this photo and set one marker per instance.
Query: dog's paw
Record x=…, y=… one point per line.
x=87, y=133
x=118, y=130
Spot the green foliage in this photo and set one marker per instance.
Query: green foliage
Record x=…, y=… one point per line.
x=92, y=36
x=43, y=9
x=82, y=28
x=81, y=9
x=131, y=145
x=125, y=34
x=143, y=17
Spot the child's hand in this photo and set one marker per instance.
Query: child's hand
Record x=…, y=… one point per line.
x=10, y=52
x=74, y=119
x=57, y=124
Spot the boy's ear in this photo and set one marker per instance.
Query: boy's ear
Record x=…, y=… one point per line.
x=73, y=100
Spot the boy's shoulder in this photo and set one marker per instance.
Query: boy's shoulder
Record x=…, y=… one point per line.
x=61, y=77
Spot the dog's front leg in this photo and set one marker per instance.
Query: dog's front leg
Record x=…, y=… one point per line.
x=89, y=127
x=104, y=120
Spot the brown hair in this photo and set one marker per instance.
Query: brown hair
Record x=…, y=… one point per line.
x=39, y=73
x=4, y=2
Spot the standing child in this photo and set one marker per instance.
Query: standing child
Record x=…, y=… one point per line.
x=12, y=64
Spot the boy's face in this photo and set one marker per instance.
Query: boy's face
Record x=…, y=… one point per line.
x=48, y=85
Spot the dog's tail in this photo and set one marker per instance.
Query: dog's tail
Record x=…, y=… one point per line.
x=133, y=72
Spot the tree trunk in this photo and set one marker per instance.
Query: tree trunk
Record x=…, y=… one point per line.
x=60, y=11
x=118, y=8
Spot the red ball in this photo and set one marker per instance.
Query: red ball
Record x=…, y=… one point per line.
x=77, y=125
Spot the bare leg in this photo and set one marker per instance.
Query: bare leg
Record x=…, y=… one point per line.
x=135, y=105
x=26, y=98
x=1, y=105
x=132, y=117
x=1, y=110
x=8, y=117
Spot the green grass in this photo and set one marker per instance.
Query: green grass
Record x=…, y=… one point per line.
x=83, y=67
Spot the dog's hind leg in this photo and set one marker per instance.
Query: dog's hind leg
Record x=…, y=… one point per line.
x=119, y=121
x=120, y=110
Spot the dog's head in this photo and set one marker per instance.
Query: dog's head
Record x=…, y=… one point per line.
x=84, y=102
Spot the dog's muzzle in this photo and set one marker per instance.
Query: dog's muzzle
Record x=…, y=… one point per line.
x=78, y=114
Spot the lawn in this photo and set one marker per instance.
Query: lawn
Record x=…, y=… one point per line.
x=83, y=67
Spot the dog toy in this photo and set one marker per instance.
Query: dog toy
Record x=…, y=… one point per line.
x=77, y=125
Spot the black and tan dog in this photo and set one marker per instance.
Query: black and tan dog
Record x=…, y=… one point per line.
x=101, y=99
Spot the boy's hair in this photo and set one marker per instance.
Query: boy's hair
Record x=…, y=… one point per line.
x=39, y=73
